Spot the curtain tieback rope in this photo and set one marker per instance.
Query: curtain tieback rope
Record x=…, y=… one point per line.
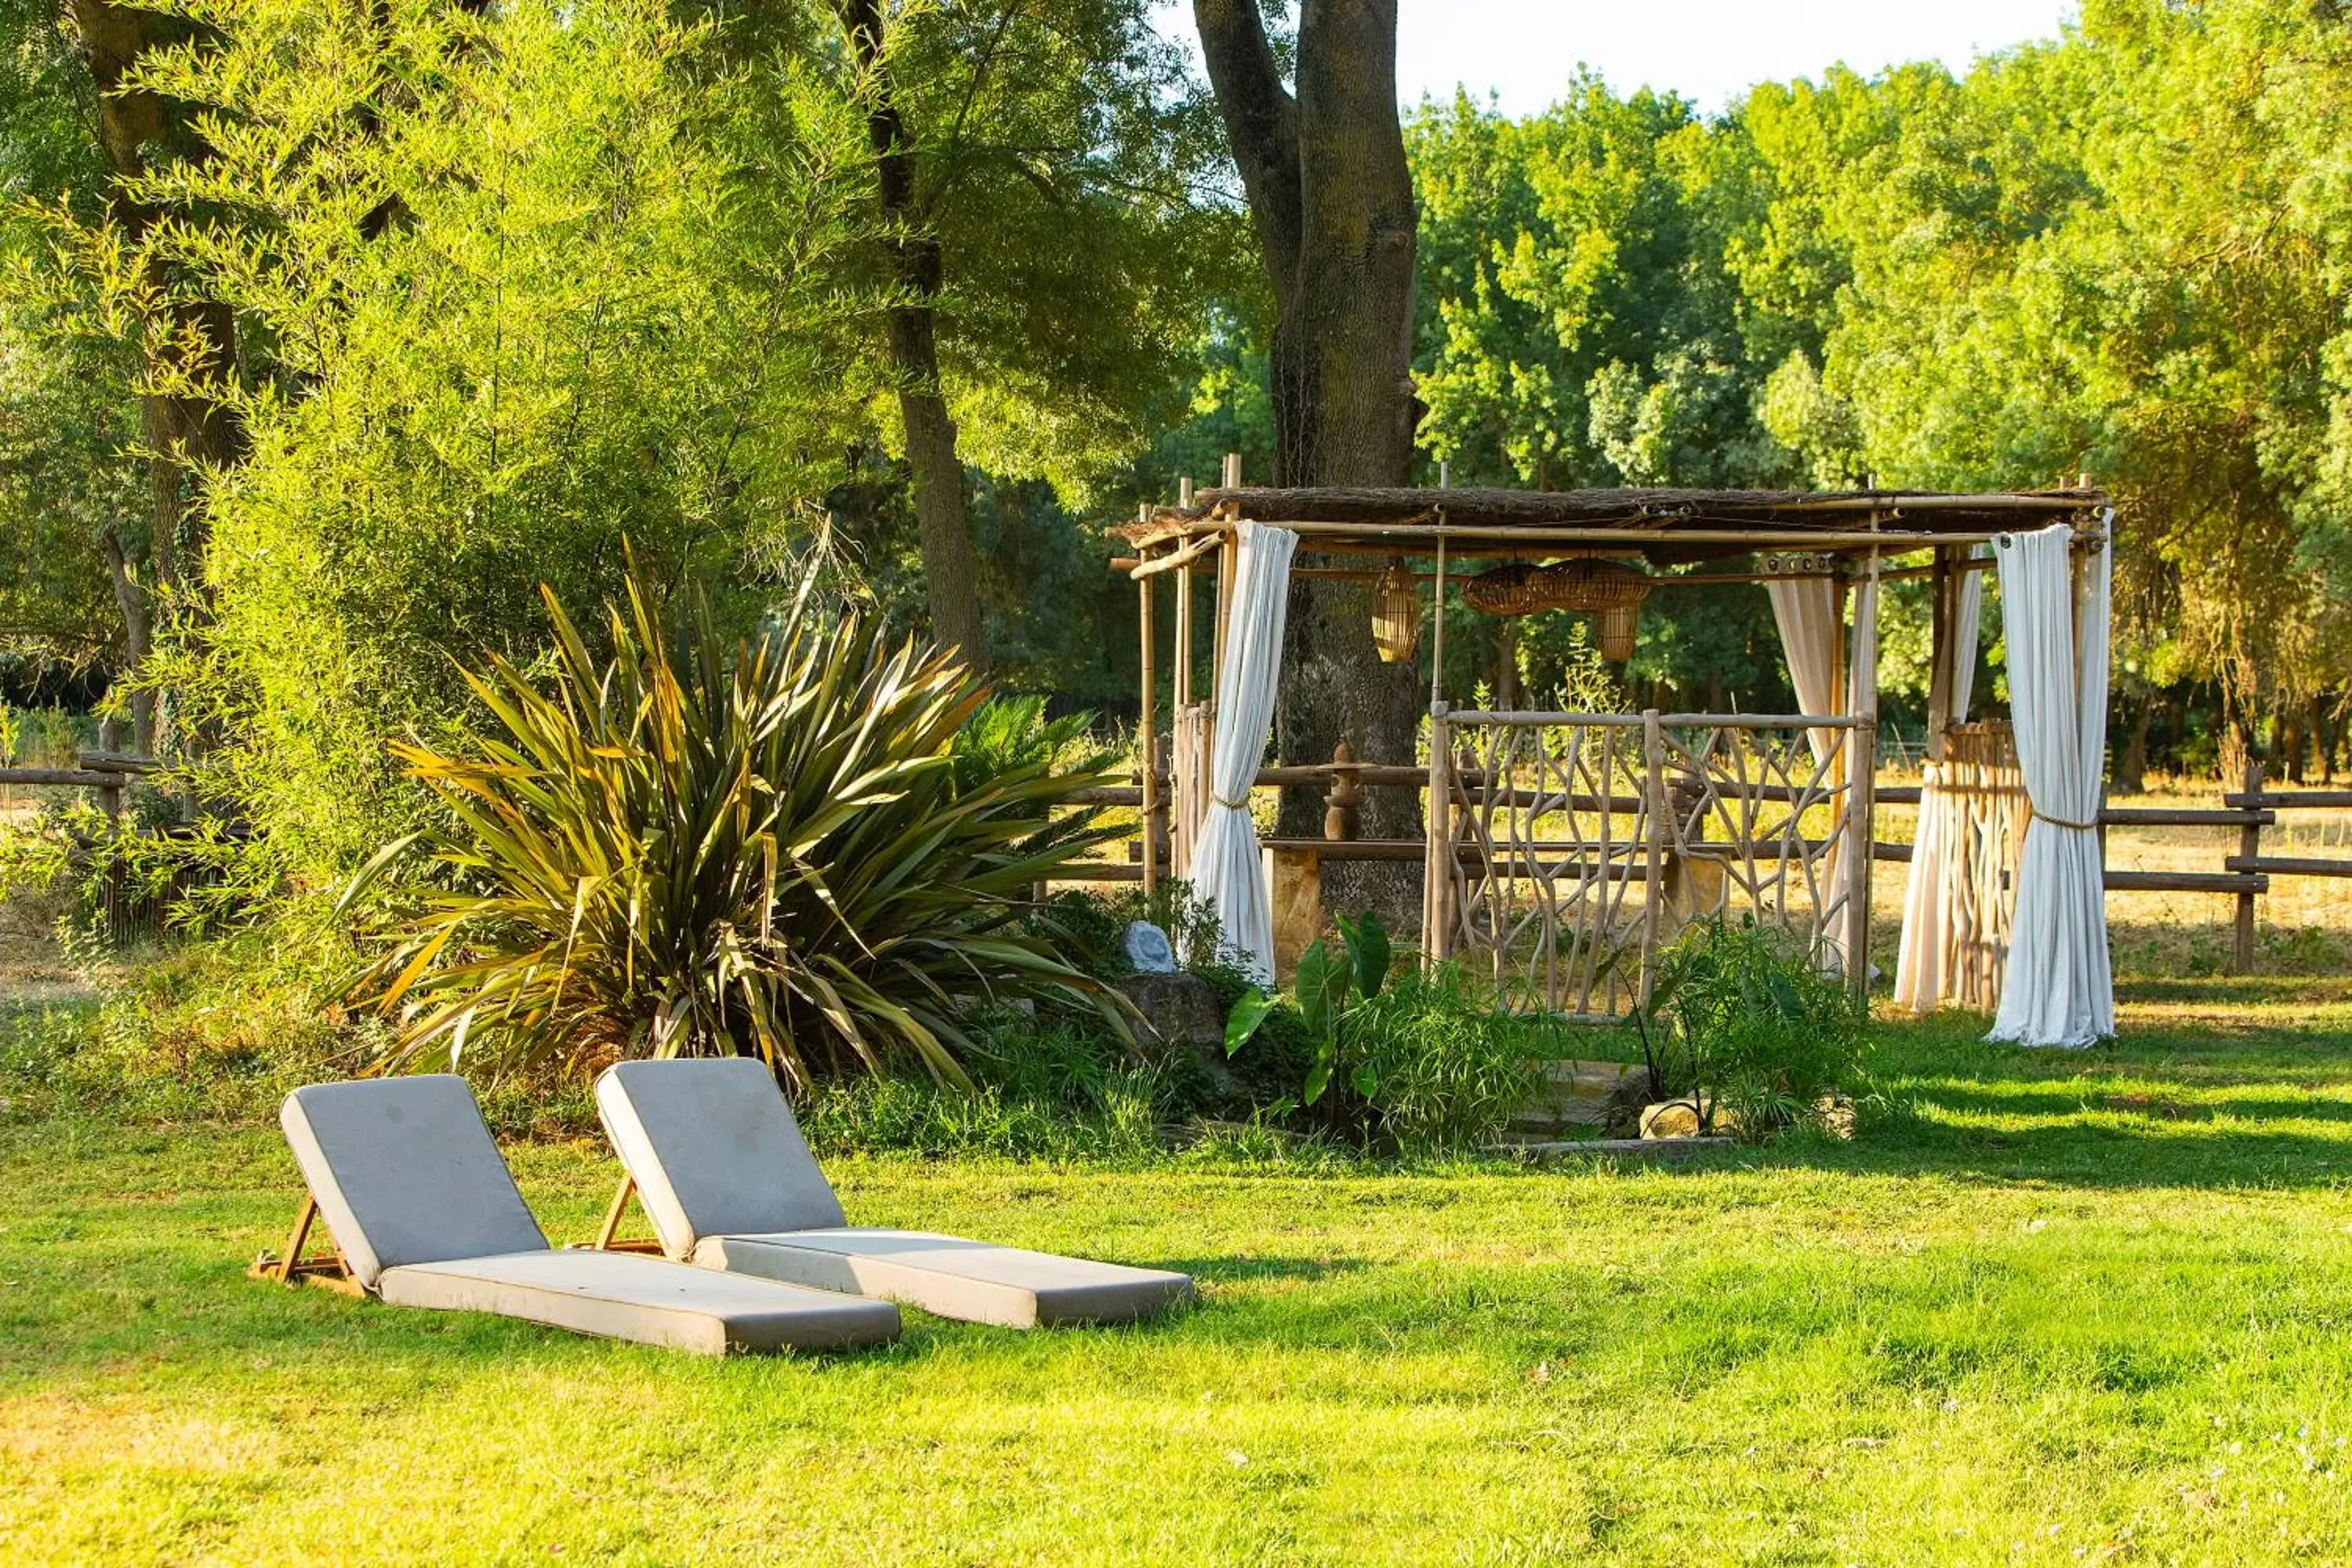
x=2041, y=815
x=1229, y=803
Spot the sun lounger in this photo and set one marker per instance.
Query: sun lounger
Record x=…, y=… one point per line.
x=721, y=1170
x=426, y=1213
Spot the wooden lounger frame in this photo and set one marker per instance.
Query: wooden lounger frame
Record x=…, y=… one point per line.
x=330, y=1269
x=608, y=1237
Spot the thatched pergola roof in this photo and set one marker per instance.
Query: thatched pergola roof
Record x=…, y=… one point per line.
x=1666, y=526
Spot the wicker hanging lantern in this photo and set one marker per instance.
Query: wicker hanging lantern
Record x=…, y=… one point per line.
x=1396, y=617
x=1607, y=590
x=1618, y=624
x=1613, y=593
x=1514, y=590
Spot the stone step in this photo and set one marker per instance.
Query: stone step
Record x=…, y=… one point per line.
x=1575, y=1093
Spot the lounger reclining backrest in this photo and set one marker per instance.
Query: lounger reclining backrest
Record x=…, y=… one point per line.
x=405, y=1172
x=714, y=1149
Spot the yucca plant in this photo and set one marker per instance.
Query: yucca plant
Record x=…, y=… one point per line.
x=766, y=847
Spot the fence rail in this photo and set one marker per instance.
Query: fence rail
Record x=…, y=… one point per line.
x=109, y=773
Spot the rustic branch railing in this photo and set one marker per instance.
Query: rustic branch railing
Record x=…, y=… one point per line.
x=1542, y=827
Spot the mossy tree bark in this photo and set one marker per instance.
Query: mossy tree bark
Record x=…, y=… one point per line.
x=184, y=436
x=1330, y=199
x=951, y=565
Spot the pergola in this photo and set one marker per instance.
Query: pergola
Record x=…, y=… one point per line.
x=1560, y=849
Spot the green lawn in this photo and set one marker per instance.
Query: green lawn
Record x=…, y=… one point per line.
x=2019, y=1325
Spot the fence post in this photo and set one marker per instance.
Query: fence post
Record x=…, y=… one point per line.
x=2250, y=848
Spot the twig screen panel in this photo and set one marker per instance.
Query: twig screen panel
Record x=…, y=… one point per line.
x=1983, y=812
x=1574, y=845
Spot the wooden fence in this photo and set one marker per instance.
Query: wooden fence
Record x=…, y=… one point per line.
x=107, y=772
x=129, y=912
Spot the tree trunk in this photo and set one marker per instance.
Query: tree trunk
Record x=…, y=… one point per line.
x=1330, y=199
x=138, y=640
x=950, y=566
x=2131, y=767
x=184, y=435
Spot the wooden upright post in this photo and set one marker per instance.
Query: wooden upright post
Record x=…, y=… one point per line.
x=1655, y=811
x=1147, y=738
x=1437, y=875
x=1943, y=643
x=2250, y=848
x=1862, y=771
x=1184, y=671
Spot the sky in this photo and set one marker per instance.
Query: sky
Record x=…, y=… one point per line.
x=1707, y=50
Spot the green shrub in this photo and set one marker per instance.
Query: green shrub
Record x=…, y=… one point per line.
x=1741, y=1019
x=1420, y=1066
x=1446, y=1068
x=1120, y=1122
x=216, y=1030
x=762, y=849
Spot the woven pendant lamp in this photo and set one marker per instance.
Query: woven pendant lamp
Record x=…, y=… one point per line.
x=1609, y=591
x=1618, y=624
x=1396, y=617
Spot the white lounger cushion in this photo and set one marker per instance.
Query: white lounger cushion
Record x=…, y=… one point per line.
x=621, y=1296
x=405, y=1172
x=727, y=1181
x=714, y=1149
x=969, y=1280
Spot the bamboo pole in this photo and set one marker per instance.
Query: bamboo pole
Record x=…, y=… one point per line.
x=1943, y=650
x=1437, y=635
x=1672, y=720
x=1150, y=727
x=1573, y=535
x=1182, y=684
x=1654, y=759
x=1437, y=865
x=1861, y=782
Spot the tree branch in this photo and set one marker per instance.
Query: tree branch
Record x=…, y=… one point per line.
x=1261, y=126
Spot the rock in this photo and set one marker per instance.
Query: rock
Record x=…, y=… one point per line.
x=1146, y=948
x=1679, y=1118
x=1835, y=1113
x=1179, y=1010
x=1180, y=1014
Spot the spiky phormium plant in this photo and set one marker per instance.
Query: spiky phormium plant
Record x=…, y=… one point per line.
x=698, y=848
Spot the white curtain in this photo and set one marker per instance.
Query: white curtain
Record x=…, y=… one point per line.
x=1228, y=872
x=1919, y=979
x=1807, y=612
x=2059, y=990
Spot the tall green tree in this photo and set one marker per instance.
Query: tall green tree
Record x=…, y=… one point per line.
x=1039, y=169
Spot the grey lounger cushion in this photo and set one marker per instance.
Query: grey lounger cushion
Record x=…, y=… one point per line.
x=405, y=1172
x=426, y=1212
x=621, y=1296
x=714, y=1149
x=727, y=1181
x=955, y=1278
